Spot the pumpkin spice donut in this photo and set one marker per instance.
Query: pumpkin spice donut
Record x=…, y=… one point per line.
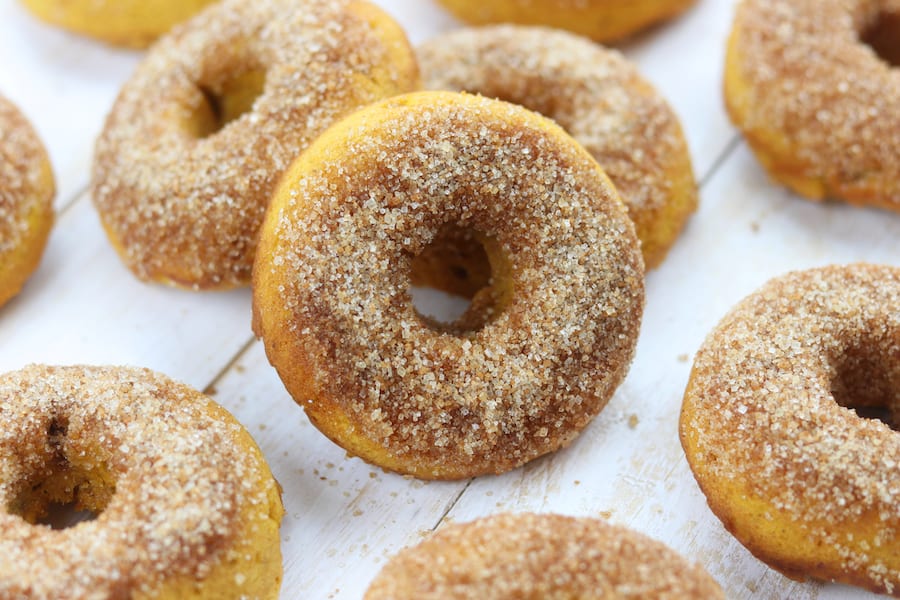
x=600, y=20
x=134, y=23
x=540, y=556
x=184, y=503
x=814, y=87
x=27, y=189
x=540, y=351
x=202, y=131
x=773, y=424
x=598, y=97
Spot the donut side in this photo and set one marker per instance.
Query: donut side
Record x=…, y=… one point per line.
x=771, y=429
x=540, y=556
x=129, y=23
x=27, y=189
x=600, y=20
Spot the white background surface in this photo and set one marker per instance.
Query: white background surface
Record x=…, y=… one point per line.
x=344, y=518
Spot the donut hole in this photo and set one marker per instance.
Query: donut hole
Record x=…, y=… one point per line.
x=460, y=282
x=225, y=101
x=58, y=493
x=868, y=382
x=883, y=36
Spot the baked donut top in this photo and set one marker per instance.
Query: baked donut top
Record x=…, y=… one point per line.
x=540, y=556
x=767, y=384
x=594, y=93
x=174, y=192
x=836, y=102
x=22, y=171
x=177, y=464
x=372, y=194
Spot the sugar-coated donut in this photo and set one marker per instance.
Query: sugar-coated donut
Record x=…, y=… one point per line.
x=218, y=109
x=540, y=556
x=185, y=504
x=551, y=339
x=598, y=97
x=601, y=20
x=817, y=105
x=27, y=189
x=134, y=23
x=769, y=428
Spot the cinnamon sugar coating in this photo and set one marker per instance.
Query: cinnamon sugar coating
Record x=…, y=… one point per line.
x=181, y=202
x=540, y=556
x=331, y=285
x=187, y=506
x=770, y=430
x=819, y=107
x=26, y=200
x=593, y=93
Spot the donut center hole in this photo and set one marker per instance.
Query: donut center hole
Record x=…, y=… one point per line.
x=869, y=383
x=226, y=101
x=460, y=281
x=58, y=493
x=883, y=36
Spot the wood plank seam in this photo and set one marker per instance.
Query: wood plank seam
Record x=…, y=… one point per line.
x=210, y=388
x=67, y=205
x=723, y=156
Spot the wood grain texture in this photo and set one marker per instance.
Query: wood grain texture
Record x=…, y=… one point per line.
x=344, y=518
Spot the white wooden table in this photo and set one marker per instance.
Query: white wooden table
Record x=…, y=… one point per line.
x=344, y=517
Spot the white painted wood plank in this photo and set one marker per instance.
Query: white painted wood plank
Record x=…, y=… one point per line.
x=65, y=84
x=632, y=469
x=421, y=19
x=83, y=306
x=684, y=59
x=343, y=516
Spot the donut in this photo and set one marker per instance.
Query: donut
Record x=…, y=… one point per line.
x=540, y=351
x=540, y=556
x=598, y=97
x=774, y=424
x=184, y=504
x=131, y=23
x=27, y=189
x=819, y=107
x=600, y=20
x=200, y=134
